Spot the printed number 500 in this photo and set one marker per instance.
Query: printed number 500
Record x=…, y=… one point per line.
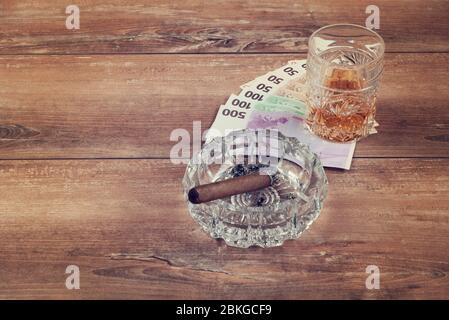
x=234, y=113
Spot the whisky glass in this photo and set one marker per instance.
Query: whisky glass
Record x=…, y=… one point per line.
x=344, y=67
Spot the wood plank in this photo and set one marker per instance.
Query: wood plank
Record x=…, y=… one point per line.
x=125, y=224
x=156, y=26
x=127, y=106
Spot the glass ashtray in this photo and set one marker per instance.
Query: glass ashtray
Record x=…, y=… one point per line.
x=265, y=217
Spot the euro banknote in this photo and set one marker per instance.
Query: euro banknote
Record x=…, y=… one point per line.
x=276, y=100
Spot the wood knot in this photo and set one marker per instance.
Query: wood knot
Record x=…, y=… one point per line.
x=17, y=131
x=439, y=138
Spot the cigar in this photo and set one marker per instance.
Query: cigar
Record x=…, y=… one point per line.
x=229, y=187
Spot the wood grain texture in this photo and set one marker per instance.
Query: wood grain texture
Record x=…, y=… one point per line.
x=127, y=106
x=159, y=26
x=126, y=225
x=68, y=97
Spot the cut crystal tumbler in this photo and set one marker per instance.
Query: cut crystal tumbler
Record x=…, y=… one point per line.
x=344, y=67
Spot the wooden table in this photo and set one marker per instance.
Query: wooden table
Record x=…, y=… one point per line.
x=86, y=180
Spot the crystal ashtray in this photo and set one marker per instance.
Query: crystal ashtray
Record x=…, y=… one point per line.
x=265, y=217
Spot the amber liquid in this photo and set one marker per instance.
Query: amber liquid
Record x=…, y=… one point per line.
x=342, y=115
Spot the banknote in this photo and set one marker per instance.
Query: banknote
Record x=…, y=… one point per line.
x=291, y=124
x=276, y=100
x=331, y=154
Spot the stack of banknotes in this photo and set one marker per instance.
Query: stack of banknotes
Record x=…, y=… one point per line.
x=276, y=100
